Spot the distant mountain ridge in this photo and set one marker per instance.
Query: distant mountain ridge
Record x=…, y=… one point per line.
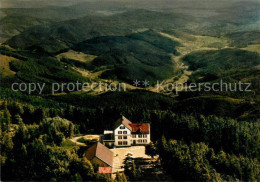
x=57, y=36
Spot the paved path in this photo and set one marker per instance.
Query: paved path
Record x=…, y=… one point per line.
x=87, y=137
x=121, y=153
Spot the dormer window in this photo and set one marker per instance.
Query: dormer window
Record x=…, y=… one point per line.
x=122, y=127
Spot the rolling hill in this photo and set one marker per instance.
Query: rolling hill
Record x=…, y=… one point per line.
x=244, y=38
x=141, y=56
x=220, y=61
x=14, y=24
x=228, y=65
x=61, y=35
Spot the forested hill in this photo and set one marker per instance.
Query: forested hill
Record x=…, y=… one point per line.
x=128, y=56
x=58, y=36
x=40, y=136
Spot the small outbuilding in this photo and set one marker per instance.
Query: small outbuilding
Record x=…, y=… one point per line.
x=100, y=155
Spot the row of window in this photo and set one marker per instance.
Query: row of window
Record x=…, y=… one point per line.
x=123, y=143
x=133, y=136
x=141, y=141
x=139, y=136
x=126, y=143
x=122, y=137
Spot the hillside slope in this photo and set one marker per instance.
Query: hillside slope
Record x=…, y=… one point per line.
x=141, y=56
x=14, y=24
x=57, y=36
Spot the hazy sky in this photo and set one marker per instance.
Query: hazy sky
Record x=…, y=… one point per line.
x=37, y=3
x=41, y=3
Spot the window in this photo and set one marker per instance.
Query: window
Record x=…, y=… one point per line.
x=145, y=136
x=140, y=136
x=145, y=141
x=119, y=137
x=120, y=143
x=119, y=132
x=139, y=141
x=125, y=143
x=134, y=136
x=122, y=127
x=125, y=137
x=125, y=132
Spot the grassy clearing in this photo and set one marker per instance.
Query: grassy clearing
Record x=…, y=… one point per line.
x=89, y=74
x=253, y=48
x=190, y=43
x=224, y=98
x=4, y=65
x=68, y=144
x=78, y=56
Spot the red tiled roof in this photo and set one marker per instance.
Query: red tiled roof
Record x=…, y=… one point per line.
x=100, y=151
x=105, y=170
x=140, y=128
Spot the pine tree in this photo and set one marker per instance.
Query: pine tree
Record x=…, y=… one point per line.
x=123, y=177
x=118, y=177
x=6, y=120
x=7, y=144
x=39, y=115
x=78, y=177
x=134, y=171
x=17, y=119
x=71, y=130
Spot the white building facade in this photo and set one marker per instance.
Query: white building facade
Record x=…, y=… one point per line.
x=139, y=139
x=122, y=136
x=127, y=133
